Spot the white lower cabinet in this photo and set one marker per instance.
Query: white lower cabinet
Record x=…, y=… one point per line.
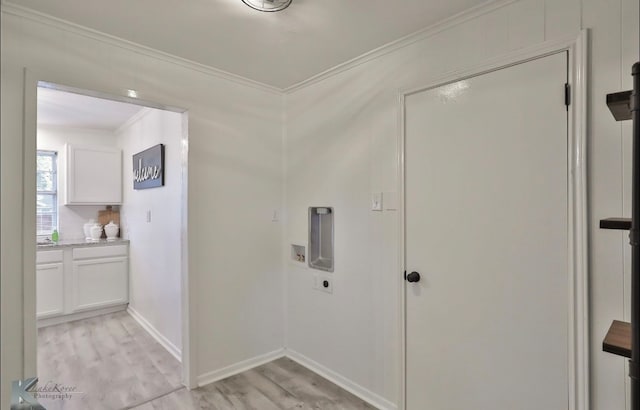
x=76, y=280
x=99, y=283
x=50, y=289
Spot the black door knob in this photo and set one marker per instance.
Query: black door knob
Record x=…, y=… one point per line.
x=413, y=277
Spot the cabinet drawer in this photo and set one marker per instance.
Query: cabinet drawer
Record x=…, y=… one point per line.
x=48, y=256
x=99, y=251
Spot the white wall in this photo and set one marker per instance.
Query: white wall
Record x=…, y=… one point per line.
x=235, y=176
x=341, y=136
x=71, y=218
x=154, y=248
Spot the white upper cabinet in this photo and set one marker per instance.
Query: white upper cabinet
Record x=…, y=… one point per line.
x=94, y=175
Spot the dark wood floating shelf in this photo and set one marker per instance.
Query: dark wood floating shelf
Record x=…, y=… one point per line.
x=623, y=224
x=620, y=105
x=618, y=339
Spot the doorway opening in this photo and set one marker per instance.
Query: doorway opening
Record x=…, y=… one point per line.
x=111, y=254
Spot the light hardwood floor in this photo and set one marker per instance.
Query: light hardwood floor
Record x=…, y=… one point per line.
x=281, y=384
x=117, y=365
x=111, y=359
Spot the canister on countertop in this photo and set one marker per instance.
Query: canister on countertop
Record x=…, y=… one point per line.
x=109, y=215
x=111, y=230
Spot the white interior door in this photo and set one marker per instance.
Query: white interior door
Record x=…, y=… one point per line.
x=487, y=230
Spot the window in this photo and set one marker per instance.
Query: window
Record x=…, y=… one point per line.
x=46, y=192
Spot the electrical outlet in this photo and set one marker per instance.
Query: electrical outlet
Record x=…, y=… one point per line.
x=325, y=283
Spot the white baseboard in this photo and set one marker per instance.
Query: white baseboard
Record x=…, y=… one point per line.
x=239, y=367
x=56, y=320
x=159, y=337
x=348, y=385
x=353, y=388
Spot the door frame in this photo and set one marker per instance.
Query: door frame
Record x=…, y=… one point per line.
x=578, y=331
x=32, y=80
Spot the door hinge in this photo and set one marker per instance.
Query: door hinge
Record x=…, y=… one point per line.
x=567, y=95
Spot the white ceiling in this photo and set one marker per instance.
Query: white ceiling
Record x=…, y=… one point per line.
x=64, y=109
x=279, y=49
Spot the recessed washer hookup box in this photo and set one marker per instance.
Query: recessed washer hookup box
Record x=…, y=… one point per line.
x=321, y=238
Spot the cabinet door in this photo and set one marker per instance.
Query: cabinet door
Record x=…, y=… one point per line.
x=49, y=290
x=94, y=175
x=99, y=283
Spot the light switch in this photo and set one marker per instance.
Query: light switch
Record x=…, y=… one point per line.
x=148, y=216
x=376, y=201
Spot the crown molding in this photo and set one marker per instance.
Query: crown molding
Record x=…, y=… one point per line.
x=429, y=31
x=144, y=111
x=402, y=42
x=42, y=18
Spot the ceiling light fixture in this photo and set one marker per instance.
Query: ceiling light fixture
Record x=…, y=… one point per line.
x=267, y=5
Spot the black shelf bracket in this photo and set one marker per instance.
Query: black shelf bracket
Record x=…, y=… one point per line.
x=620, y=105
x=622, y=224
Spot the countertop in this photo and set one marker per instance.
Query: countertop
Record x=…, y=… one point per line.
x=80, y=243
